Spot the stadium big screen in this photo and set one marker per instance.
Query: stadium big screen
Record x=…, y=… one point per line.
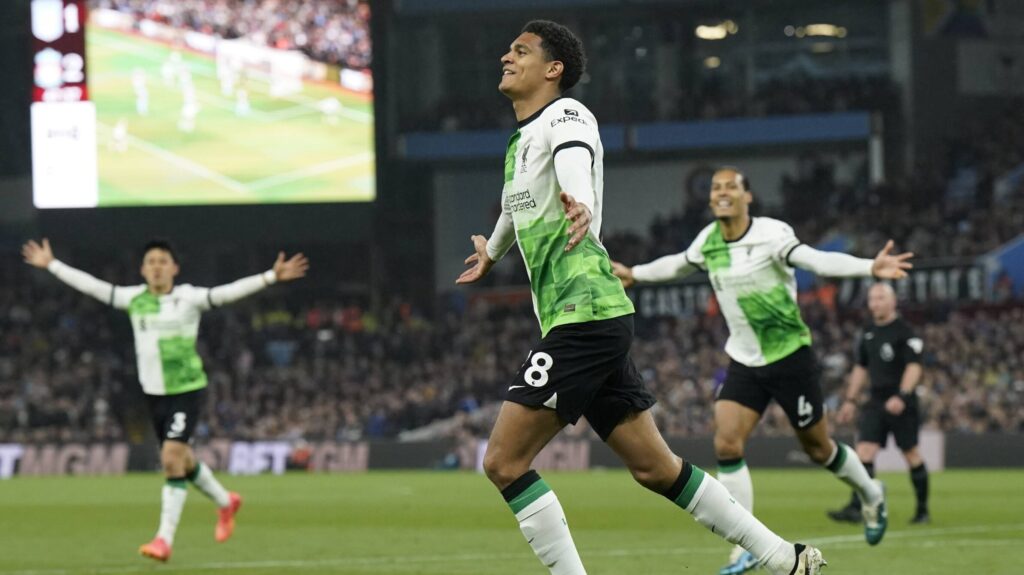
x=161, y=102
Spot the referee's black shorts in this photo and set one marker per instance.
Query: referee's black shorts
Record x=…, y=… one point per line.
x=876, y=424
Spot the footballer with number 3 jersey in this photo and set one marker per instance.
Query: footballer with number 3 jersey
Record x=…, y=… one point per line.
x=552, y=202
x=750, y=262
x=165, y=321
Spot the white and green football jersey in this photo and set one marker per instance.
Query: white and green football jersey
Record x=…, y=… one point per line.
x=165, y=328
x=756, y=289
x=572, y=287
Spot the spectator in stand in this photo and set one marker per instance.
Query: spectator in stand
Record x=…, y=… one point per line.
x=353, y=373
x=330, y=31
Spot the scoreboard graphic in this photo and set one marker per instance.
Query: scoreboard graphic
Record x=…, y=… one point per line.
x=131, y=109
x=64, y=167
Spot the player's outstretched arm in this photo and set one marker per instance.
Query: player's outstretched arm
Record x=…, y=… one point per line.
x=292, y=268
x=888, y=266
x=836, y=264
x=284, y=270
x=480, y=261
x=663, y=269
x=37, y=255
x=40, y=255
x=624, y=273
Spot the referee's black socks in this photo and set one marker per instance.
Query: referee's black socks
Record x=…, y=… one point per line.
x=919, y=477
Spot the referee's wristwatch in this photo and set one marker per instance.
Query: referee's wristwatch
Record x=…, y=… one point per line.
x=907, y=396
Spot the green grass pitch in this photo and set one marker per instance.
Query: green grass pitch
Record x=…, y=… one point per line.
x=444, y=523
x=285, y=150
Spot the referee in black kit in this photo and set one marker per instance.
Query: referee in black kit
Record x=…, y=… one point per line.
x=890, y=353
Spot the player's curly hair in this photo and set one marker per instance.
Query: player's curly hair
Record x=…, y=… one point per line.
x=559, y=43
x=160, y=244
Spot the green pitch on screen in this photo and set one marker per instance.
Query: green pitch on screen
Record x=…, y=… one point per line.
x=285, y=150
x=450, y=523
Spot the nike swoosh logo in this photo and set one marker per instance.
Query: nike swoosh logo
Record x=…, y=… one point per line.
x=511, y=387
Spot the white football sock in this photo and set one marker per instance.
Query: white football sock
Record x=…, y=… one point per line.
x=713, y=507
x=204, y=481
x=543, y=523
x=845, y=464
x=173, y=501
x=735, y=476
x=737, y=481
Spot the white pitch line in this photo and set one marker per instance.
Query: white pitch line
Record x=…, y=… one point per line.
x=292, y=112
x=184, y=163
x=357, y=115
x=413, y=560
x=207, y=97
x=309, y=171
x=305, y=109
x=915, y=533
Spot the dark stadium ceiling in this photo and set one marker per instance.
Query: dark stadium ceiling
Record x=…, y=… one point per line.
x=406, y=7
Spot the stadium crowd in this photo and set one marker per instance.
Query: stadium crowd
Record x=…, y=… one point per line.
x=921, y=216
x=707, y=100
x=331, y=31
x=334, y=370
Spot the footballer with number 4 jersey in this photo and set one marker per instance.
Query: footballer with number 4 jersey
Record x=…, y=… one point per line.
x=750, y=262
x=552, y=201
x=165, y=322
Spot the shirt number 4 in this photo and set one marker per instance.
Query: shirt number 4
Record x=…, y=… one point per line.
x=805, y=411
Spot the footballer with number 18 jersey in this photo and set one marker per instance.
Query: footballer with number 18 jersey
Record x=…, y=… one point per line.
x=552, y=201
x=568, y=287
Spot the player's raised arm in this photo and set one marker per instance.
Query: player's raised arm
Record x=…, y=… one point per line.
x=41, y=256
x=284, y=270
x=835, y=264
